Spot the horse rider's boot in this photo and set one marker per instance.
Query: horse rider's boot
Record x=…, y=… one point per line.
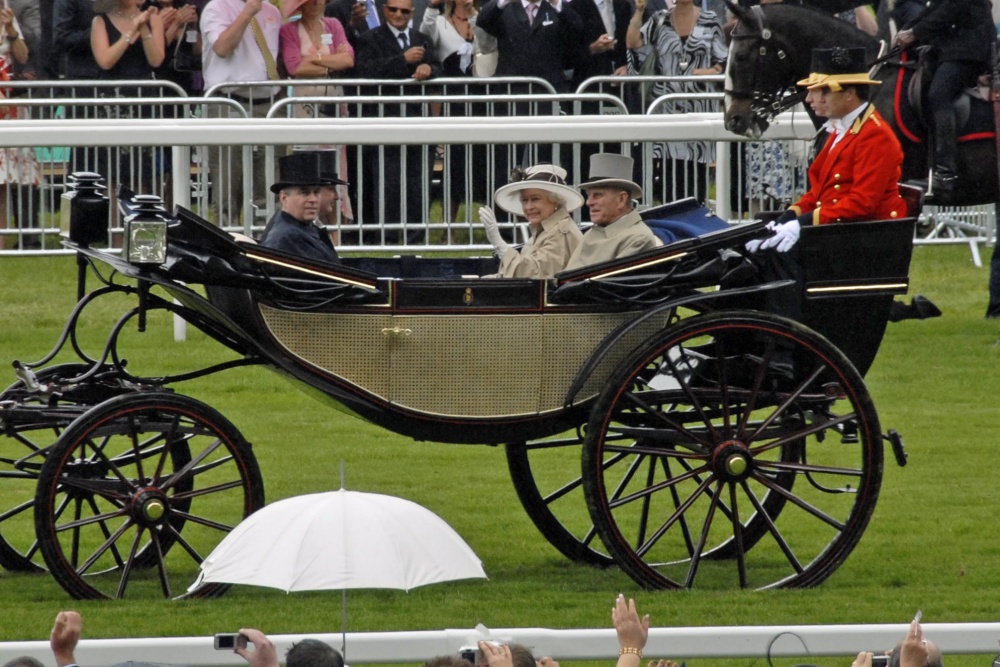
x=945, y=177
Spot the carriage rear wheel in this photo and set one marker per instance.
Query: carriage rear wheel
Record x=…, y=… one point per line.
x=32, y=422
x=715, y=456
x=546, y=476
x=138, y=491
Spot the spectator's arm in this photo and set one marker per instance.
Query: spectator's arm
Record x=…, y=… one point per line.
x=231, y=36
x=428, y=25
x=263, y=654
x=864, y=17
x=633, y=38
x=489, y=19
x=18, y=47
x=65, y=636
x=632, y=631
x=153, y=40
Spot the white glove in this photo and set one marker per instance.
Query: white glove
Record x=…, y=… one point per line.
x=785, y=236
x=489, y=221
x=753, y=245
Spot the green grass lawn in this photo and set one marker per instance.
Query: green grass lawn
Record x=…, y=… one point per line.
x=931, y=544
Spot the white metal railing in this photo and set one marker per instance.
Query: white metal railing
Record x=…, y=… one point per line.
x=617, y=130
x=583, y=644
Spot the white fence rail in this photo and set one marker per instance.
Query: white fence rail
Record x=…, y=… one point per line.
x=586, y=644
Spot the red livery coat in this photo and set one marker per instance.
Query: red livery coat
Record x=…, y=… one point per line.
x=857, y=179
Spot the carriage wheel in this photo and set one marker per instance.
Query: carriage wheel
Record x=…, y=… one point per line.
x=22, y=453
x=715, y=456
x=546, y=476
x=123, y=482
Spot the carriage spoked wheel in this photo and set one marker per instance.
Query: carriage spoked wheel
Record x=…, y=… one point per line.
x=22, y=451
x=715, y=457
x=546, y=476
x=138, y=491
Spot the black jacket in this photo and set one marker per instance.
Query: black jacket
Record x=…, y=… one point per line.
x=959, y=29
x=304, y=239
x=71, y=21
x=553, y=44
x=601, y=64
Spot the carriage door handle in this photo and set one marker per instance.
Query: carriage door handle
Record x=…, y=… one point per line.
x=397, y=331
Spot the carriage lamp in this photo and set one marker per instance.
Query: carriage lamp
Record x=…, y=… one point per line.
x=146, y=231
x=83, y=215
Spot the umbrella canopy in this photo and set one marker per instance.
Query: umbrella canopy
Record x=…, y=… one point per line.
x=339, y=540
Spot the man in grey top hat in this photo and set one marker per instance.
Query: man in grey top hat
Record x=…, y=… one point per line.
x=618, y=230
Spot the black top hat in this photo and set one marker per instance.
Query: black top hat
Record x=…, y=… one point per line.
x=298, y=170
x=837, y=67
x=328, y=167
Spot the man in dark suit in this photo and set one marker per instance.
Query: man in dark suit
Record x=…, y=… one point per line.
x=393, y=50
x=605, y=25
x=544, y=44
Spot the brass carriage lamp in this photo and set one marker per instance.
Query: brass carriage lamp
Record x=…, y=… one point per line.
x=146, y=231
x=83, y=215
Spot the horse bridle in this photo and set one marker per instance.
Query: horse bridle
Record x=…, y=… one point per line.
x=767, y=104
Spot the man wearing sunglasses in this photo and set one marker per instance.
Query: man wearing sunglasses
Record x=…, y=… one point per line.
x=395, y=50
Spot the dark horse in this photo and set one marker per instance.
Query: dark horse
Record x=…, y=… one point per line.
x=771, y=49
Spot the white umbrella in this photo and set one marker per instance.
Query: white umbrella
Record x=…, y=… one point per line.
x=339, y=540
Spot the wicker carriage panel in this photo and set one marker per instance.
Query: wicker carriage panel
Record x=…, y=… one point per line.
x=349, y=346
x=477, y=366
x=467, y=366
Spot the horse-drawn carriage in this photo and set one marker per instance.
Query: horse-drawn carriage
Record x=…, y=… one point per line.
x=647, y=402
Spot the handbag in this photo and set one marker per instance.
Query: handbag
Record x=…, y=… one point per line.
x=185, y=59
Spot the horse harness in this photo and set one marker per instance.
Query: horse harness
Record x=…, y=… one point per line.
x=768, y=104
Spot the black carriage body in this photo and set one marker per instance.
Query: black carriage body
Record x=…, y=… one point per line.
x=653, y=371
x=477, y=360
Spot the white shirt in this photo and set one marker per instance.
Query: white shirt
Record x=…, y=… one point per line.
x=840, y=126
x=246, y=63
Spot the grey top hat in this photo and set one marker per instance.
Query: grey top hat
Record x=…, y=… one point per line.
x=548, y=177
x=298, y=170
x=610, y=170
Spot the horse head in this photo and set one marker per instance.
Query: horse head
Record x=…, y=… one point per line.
x=758, y=71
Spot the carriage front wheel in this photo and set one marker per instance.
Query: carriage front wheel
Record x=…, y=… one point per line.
x=724, y=453
x=138, y=491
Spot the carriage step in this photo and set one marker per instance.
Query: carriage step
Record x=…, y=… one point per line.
x=896, y=441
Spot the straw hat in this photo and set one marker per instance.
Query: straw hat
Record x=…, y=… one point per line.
x=838, y=67
x=546, y=177
x=611, y=170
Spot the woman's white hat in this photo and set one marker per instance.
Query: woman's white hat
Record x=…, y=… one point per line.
x=546, y=177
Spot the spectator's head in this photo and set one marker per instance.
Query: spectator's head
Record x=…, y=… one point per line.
x=313, y=653
x=933, y=655
x=466, y=7
x=610, y=190
x=299, y=185
x=397, y=13
x=24, y=661
x=538, y=192
x=521, y=656
x=448, y=661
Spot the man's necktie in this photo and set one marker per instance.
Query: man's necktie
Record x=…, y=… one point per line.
x=404, y=41
x=372, y=14
x=531, y=13
x=258, y=36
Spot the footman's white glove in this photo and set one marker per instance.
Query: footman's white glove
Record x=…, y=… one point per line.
x=489, y=220
x=785, y=236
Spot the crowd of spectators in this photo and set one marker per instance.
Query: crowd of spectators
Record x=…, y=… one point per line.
x=632, y=631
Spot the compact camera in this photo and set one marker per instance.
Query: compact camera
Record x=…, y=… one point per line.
x=473, y=654
x=228, y=641
x=880, y=660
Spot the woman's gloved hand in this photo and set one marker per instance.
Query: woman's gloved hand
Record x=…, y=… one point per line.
x=489, y=220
